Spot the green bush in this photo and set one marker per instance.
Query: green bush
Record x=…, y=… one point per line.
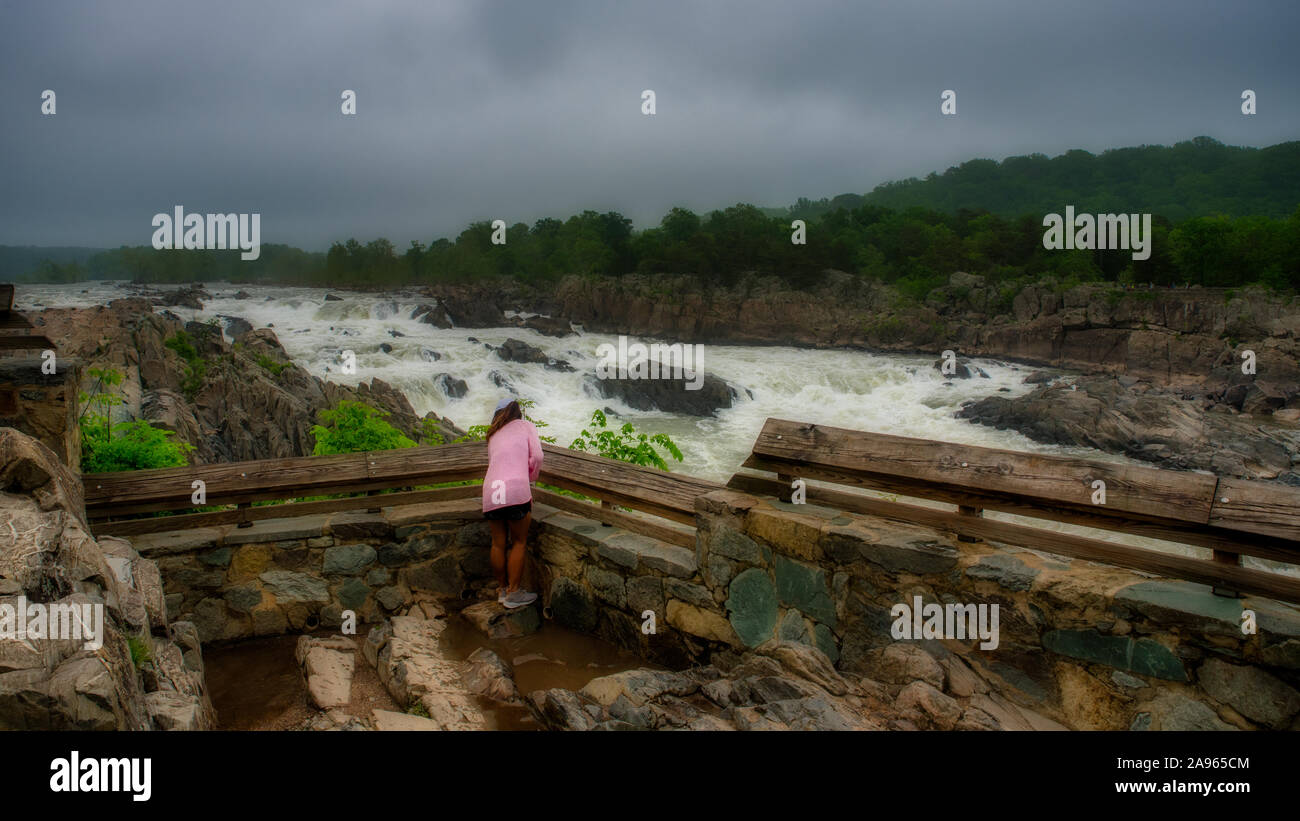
x=355, y=427
x=108, y=447
x=196, y=367
x=129, y=446
x=625, y=444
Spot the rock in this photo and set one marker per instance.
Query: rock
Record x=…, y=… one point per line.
x=571, y=605
x=1153, y=424
x=450, y=386
x=348, y=559
x=962, y=369
x=1257, y=695
x=1177, y=712
x=327, y=666
x=488, y=675
x=559, y=709
x=695, y=395
x=429, y=355
x=1005, y=570
x=388, y=721
x=432, y=315
x=904, y=664
x=752, y=605
x=548, y=326
x=237, y=326
x=516, y=350
x=496, y=621
x=333, y=298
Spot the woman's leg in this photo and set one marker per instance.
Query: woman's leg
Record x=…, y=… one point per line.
x=518, y=547
x=499, y=535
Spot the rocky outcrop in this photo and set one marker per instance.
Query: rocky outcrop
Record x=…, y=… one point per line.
x=416, y=670
x=516, y=350
x=777, y=686
x=704, y=397
x=251, y=402
x=1176, y=428
x=327, y=664
x=120, y=665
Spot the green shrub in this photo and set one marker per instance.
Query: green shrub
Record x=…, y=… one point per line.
x=355, y=427
x=276, y=368
x=140, y=652
x=129, y=446
x=136, y=445
x=625, y=444
x=196, y=368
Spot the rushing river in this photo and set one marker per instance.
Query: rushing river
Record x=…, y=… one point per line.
x=887, y=393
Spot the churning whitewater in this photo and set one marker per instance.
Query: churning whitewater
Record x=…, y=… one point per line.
x=886, y=393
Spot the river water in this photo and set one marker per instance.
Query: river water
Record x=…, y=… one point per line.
x=886, y=393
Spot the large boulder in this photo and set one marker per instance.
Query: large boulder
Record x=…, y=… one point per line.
x=703, y=396
x=106, y=675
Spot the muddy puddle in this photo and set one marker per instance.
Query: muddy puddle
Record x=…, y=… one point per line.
x=256, y=684
x=554, y=656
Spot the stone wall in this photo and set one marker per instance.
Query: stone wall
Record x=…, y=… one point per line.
x=1080, y=644
x=43, y=406
x=1088, y=645
x=296, y=574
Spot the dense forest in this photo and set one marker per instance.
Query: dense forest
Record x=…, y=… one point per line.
x=1223, y=216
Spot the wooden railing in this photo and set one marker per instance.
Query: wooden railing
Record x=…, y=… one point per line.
x=113, y=497
x=14, y=327
x=1231, y=517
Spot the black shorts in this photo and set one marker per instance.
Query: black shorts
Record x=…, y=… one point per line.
x=513, y=513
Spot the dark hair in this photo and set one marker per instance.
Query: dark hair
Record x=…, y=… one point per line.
x=503, y=417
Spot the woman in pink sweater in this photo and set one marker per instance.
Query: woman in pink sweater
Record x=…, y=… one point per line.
x=514, y=461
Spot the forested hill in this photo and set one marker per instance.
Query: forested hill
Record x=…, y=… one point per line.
x=1195, y=178
x=16, y=260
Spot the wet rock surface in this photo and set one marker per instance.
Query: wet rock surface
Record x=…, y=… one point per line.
x=1182, y=429
x=146, y=672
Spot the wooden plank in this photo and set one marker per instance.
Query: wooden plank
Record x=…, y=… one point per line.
x=1273, y=585
x=1029, y=477
x=655, y=530
x=13, y=321
x=1171, y=531
x=1265, y=508
x=226, y=483
x=443, y=463
x=160, y=524
x=25, y=343
x=670, y=495
x=6, y=296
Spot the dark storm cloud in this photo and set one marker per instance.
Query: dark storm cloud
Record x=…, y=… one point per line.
x=522, y=110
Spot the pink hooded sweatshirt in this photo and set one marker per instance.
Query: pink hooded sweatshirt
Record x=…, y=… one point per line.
x=514, y=460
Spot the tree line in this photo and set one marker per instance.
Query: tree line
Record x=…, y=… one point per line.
x=1222, y=216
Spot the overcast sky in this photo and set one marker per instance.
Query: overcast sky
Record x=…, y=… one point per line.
x=485, y=110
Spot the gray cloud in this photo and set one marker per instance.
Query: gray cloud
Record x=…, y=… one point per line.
x=479, y=110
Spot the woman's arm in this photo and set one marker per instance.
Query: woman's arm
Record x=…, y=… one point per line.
x=535, y=454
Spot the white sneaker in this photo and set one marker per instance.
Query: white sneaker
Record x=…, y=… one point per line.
x=519, y=598
x=501, y=595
